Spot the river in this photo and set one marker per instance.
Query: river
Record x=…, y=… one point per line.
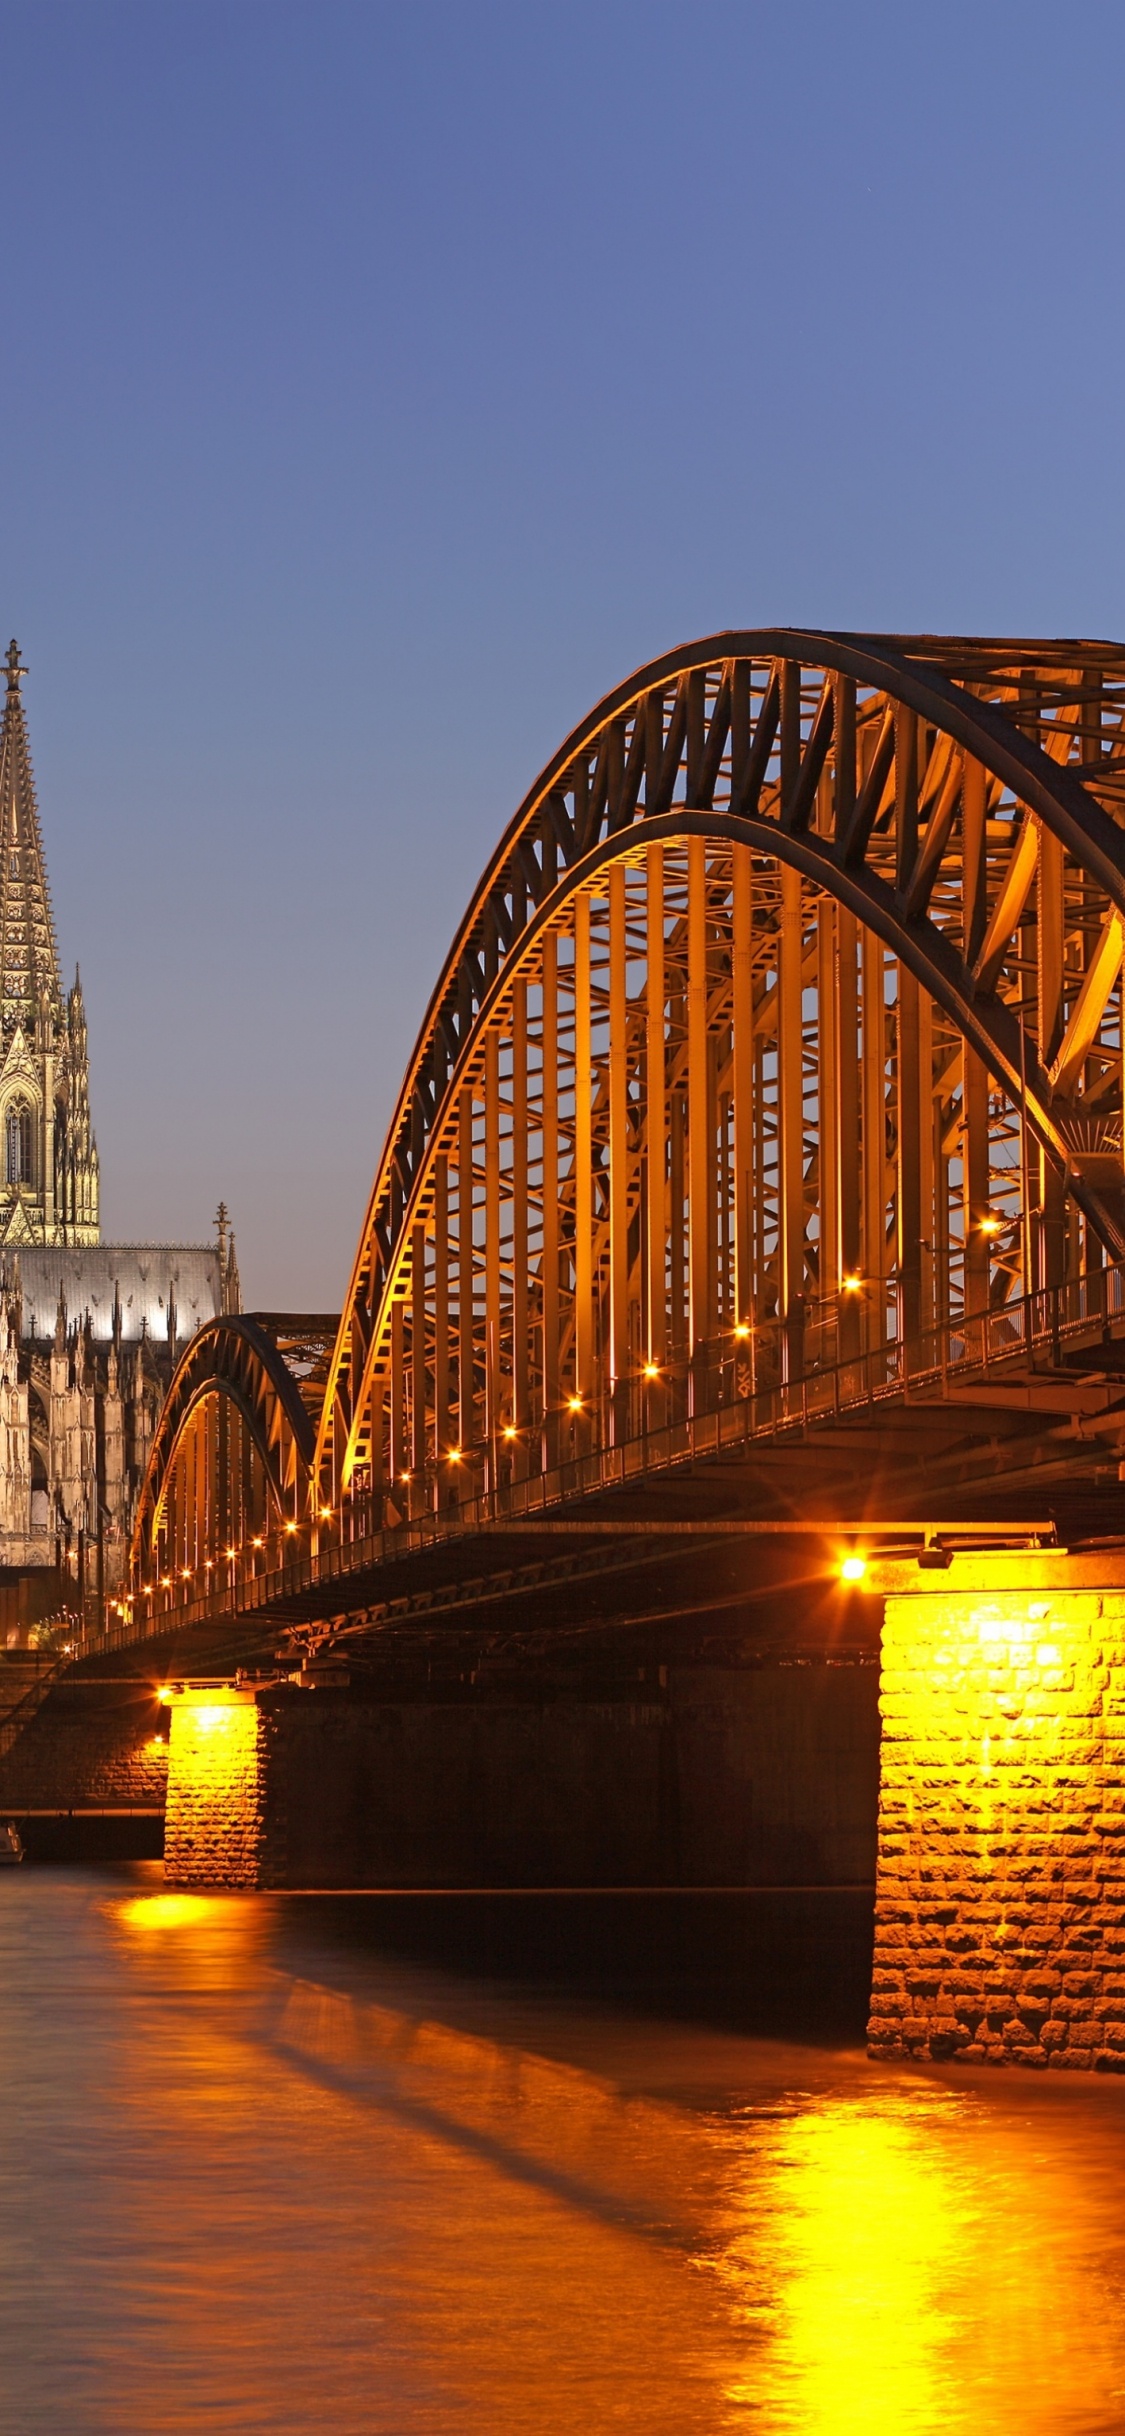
x=268, y=2164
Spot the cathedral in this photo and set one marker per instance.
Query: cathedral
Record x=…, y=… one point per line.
x=89, y=1332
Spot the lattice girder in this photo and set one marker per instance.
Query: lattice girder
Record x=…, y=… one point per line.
x=956, y=802
x=231, y=1453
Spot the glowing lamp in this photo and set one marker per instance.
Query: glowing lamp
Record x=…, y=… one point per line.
x=853, y=1569
x=326, y=1511
x=510, y=1433
x=164, y=1693
x=851, y=1285
x=651, y=1371
x=574, y=1404
x=990, y=1226
x=743, y=1328
x=455, y=1454
x=290, y=1527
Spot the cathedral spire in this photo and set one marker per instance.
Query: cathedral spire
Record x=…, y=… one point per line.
x=48, y=1156
x=29, y=964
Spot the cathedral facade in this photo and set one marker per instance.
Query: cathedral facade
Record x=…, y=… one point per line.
x=89, y=1332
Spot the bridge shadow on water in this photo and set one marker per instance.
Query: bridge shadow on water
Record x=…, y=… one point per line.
x=778, y=1963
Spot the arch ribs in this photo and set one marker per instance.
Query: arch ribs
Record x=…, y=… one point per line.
x=958, y=800
x=231, y=1454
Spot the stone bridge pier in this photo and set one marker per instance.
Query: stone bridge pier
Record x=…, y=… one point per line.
x=968, y=1770
x=758, y=1775
x=1000, y=1893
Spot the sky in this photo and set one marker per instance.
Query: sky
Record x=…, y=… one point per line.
x=380, y=385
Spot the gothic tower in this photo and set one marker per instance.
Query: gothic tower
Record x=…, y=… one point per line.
x=48, y=1156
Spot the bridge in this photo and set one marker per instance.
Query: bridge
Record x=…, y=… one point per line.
x=753, y=1205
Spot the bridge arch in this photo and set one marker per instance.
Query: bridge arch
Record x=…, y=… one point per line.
x=790, y=1001
x=783, y=1031
x=230, y=1458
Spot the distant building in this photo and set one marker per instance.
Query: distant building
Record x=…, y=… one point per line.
x=89, y=1332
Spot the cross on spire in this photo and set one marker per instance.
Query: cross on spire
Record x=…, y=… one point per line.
x=14, y=666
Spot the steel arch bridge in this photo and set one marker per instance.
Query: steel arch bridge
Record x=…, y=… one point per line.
x=780, y=1042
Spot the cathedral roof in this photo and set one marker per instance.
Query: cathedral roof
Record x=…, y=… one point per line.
x=144, y=1282
x=29, y=963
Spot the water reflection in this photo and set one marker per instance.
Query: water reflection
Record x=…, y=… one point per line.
x=144, y=1912
x=931, y=2259
x=864, y=2227
x=261, y=2174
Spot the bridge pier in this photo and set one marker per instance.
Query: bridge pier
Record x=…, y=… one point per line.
x=760, y=1774
x=217, y=1828
x=1000, y=1902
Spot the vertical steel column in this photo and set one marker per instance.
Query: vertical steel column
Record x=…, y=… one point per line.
x=519, y=1220
x=700, y=1125
x=399, y=1452
x=1089, y=750
x=1051, y=1265
x=549, y=1113
x=224, y=1469
x=906, y=794
x=583, y=1158
x=618, y=1152
x=492, y=1274
x=874, y=1139
x=927, y=1162
x=908, y=1197
x=418, y=1414
x=247, y=1494
x=742, y=1069
x=848, y=1100
x=827, y=1098
x=847, y=1075
x=377, y=1441
x=656, y=1116
x=466, y=1357
x=676, y=1197
x=791, y=1116
x=974, y=1075
x=211, y=1500
x=441, y=1313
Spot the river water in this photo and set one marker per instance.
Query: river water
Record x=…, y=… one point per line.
x=267, y=2165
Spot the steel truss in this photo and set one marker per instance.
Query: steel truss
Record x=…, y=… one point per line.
x=784, y=1026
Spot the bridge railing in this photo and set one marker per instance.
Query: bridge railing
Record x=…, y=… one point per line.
x=738, y=1391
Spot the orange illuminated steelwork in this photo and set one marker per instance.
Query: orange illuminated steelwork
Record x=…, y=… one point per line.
x=768, y=900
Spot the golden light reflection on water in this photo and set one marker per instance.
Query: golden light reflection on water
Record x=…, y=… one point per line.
x=928, y=2261
x=145, y=1912
x=508, y=2216
x=868, y=2229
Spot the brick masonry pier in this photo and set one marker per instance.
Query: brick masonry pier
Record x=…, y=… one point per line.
x=1000, y=1905
x=764, y=1775
x=91, y=1748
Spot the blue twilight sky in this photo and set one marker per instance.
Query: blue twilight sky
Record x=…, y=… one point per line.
x=381, y=384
